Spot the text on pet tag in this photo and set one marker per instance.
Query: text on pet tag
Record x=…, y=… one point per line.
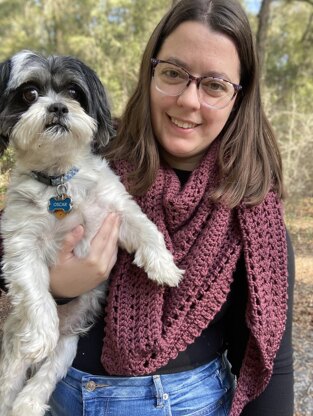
x=60, y=206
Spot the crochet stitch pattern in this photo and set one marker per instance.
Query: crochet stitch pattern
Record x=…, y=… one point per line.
x=147, y=325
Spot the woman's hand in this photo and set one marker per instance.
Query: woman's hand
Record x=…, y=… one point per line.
x=73, y=276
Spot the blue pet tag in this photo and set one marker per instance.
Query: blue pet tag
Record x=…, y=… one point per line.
x=61, y=204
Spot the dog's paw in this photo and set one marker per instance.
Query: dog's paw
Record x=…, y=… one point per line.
x=160, y=267
x=37, y=343
x=28, y=407
x=170, y=275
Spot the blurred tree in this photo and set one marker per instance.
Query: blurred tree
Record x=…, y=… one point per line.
x=288, y=87
x=15, y=29
x=64, y=25
x=122, y=31
x=264, y=17
x=110, y=35
x=43, y=25
x=289, y=65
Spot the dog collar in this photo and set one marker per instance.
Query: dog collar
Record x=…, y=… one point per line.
x=55, y=180
x=61, y=204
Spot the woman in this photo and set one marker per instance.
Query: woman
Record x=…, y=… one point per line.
x=196, y=150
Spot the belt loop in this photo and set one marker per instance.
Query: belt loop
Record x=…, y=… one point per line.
x=161, y=397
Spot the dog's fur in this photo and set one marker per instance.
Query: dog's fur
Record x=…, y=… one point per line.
x=55, y=113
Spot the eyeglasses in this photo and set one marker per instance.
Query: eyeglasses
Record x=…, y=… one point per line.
x=171, y=79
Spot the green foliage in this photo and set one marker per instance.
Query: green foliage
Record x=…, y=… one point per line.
x=288, y=86
x=121, y=34
x=110, y=35
x=6, y=161
x=289, y=68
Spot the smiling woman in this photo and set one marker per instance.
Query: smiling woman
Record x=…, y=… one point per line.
x=196, y=150
x=185, y=124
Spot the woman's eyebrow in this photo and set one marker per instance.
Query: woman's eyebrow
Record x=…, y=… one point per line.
x=178, y=62
x=184, y=65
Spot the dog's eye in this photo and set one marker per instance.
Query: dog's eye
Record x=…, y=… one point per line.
x=73, y=92
x=30, y=95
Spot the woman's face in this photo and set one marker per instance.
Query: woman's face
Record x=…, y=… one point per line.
x=183, y=127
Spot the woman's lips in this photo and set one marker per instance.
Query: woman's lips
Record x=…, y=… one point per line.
x=183, y=124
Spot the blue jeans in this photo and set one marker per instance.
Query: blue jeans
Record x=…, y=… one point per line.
x=203, y=391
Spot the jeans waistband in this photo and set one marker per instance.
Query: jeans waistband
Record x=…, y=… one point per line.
x=76, y=377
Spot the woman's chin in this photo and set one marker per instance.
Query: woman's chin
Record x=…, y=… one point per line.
x=182, y=158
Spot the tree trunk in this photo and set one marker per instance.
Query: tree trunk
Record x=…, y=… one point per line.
x=174, y=2
x=264, y=16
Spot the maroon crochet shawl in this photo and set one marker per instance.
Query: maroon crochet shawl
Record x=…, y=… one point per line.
x=147, y=325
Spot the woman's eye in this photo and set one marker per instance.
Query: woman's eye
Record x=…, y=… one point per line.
x=30, y=95
x=171, y=73
x=216, y=86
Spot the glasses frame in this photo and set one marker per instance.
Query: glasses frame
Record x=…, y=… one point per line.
x=191, y=78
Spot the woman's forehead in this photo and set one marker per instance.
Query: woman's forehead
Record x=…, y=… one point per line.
x=200, y=50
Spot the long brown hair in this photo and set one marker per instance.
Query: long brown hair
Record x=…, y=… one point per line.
x=249, y=159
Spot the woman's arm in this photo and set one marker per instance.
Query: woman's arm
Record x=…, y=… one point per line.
x=278, y=397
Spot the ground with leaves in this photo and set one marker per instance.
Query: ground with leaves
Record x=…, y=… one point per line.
x=300, y=225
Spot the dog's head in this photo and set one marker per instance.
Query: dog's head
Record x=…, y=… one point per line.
x=52, y=104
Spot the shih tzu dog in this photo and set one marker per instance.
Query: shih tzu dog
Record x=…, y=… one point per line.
x=55, y=114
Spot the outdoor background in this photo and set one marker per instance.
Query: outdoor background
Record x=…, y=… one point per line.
x=109, y=35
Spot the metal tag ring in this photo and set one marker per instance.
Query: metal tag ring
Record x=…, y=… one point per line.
x=61, y=190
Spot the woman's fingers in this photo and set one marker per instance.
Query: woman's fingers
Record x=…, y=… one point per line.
x=103, y=248
x=70, y=241
x=73, y=276
x=107, y=236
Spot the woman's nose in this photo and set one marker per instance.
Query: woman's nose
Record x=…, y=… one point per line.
x=189, y=97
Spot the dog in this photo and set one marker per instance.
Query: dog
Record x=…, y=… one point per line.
x=54, y=112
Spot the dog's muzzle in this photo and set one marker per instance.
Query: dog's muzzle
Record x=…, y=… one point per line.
x=57, y=117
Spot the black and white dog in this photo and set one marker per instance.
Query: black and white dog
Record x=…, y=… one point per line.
x=54, y=112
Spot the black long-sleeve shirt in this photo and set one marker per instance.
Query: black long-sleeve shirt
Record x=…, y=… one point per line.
x=228, y=331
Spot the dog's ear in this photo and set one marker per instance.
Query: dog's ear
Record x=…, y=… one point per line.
x=99, y=110
x=5, y=70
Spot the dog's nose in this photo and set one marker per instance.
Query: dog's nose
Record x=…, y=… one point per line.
x=58, y=108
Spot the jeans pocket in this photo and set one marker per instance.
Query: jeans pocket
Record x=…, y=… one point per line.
x=211, y=395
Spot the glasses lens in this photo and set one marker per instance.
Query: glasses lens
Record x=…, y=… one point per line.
x=170, y=79
x=216, y=92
